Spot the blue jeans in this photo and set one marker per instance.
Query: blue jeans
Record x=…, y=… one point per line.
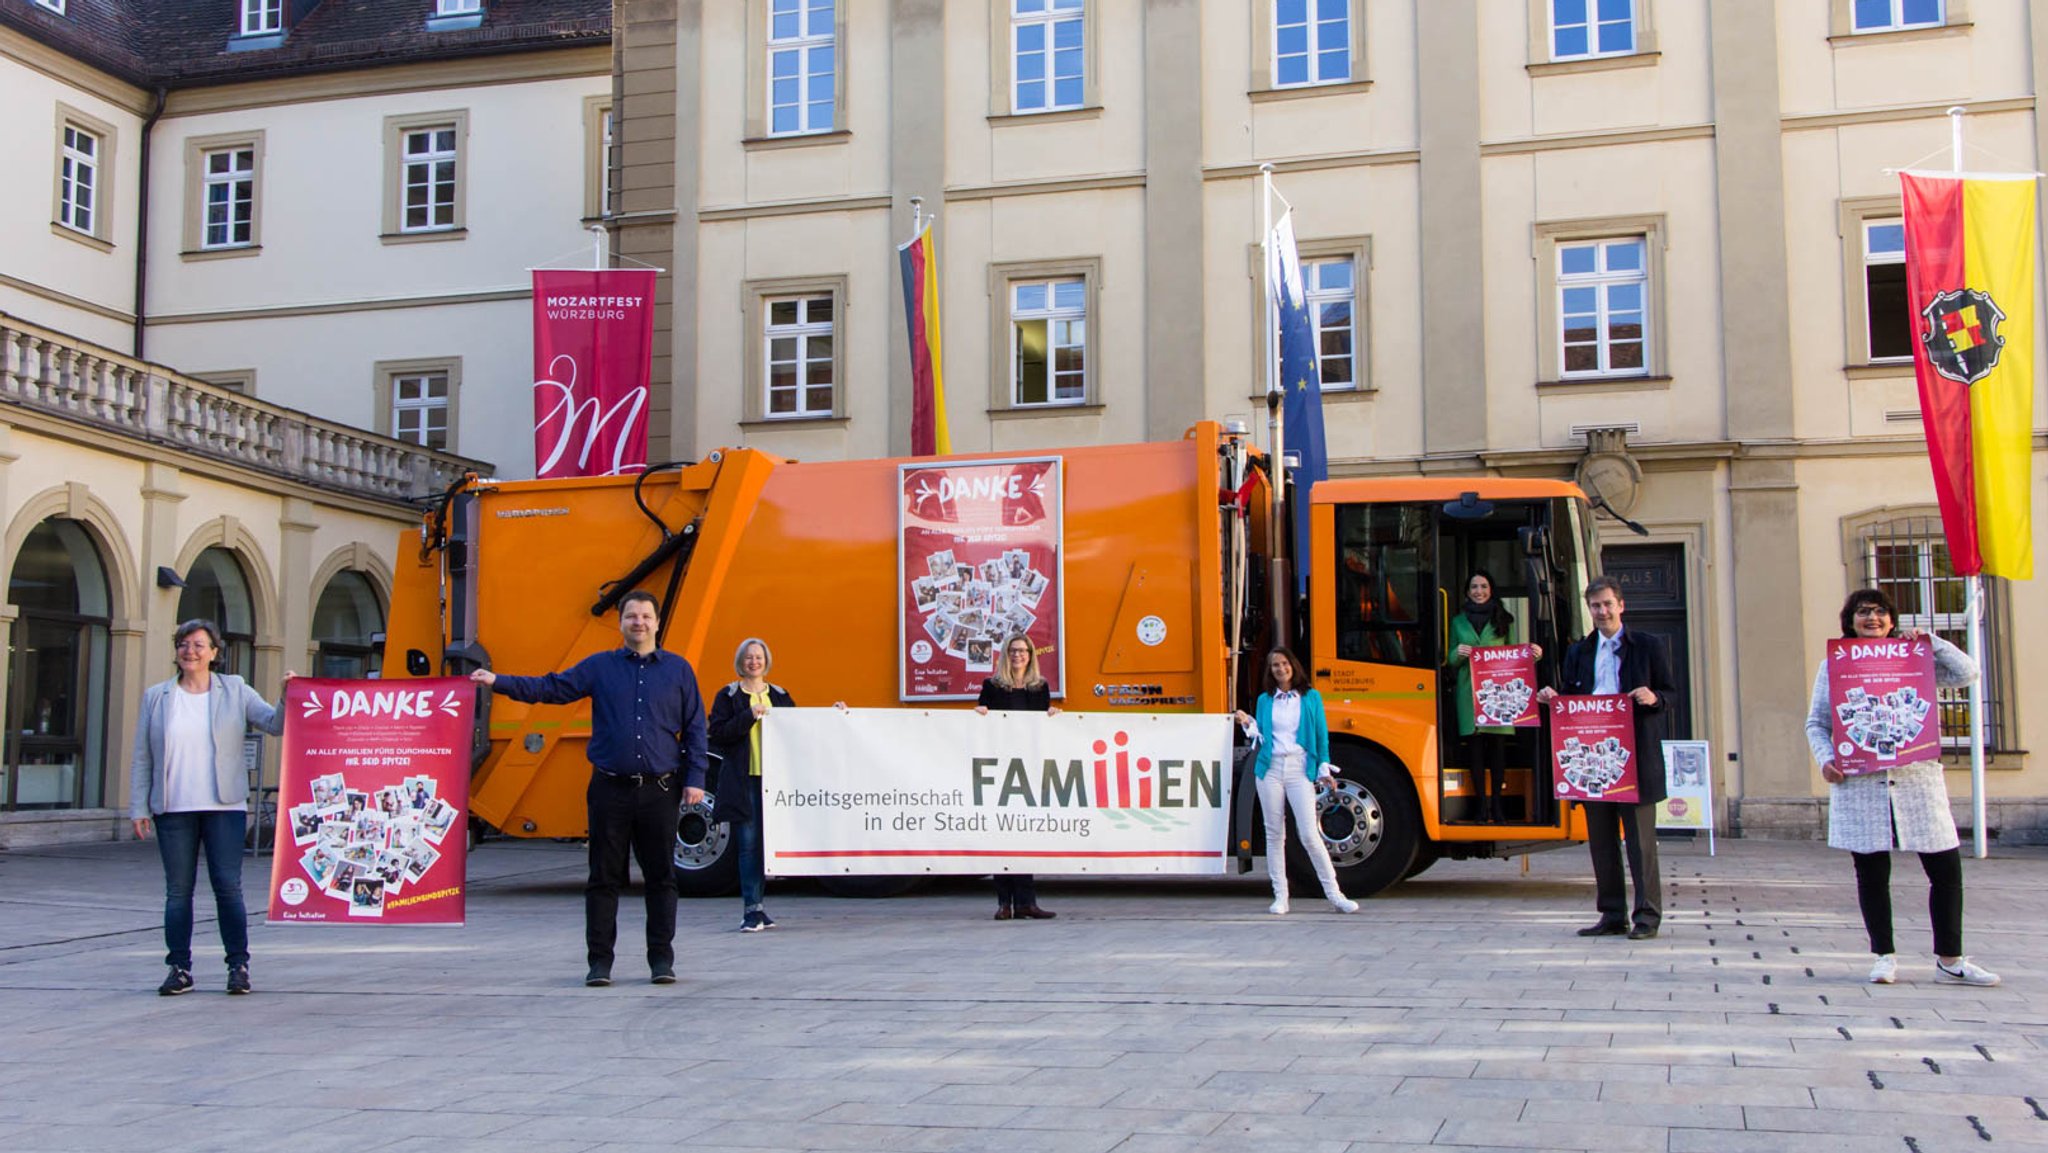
x=179, y=837
x=753, y=863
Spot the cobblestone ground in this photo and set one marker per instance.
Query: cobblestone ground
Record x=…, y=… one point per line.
x=1457, y=1011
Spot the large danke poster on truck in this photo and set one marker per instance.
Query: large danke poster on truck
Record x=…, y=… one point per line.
x=978, y=559
x=373, y=802
x=1593, y=748
x=915, y=791
x=1881, y=703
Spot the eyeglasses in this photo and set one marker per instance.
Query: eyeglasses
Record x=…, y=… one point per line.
x=193, y=646
x=1871, y=611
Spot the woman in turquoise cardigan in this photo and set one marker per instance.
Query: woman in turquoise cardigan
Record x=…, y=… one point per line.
x=1483, y=622
x=1294, y=748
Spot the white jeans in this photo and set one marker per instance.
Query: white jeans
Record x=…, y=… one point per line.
x=1286, y=784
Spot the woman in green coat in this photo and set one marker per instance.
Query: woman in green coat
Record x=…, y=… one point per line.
x=1483, y=622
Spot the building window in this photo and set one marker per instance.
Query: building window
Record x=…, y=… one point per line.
x=57, y=665
x=1332, y=291
x=229, y=188
x=1047, y=46
x=1600, y=317
x=1583, y=28
x=457, y=7
x=1311, y=42
x=1048, y=341
x=1907, y=557
x=56, y=6
x=262, y=16
x=416, y=401
x=1602, y=290
x=599, y=147
x=78, y=180
x=1894, y=15
x=217, y=589
x=1887, y=319
x=798, y=355
x=348, y=620
x=426, y=176
x=803, y=66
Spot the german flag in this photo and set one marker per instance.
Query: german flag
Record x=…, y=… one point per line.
x=919, y=257
x=1970, y=281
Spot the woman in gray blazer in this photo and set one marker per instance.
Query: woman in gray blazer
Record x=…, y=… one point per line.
x=186, y=779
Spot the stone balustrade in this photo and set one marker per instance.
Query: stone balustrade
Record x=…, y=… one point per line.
x=46, y=371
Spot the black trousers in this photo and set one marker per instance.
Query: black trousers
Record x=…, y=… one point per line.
x=1611, y=828
x=1016, y=890
x=1944, y=899
x=636, y=815
x=1490, y=770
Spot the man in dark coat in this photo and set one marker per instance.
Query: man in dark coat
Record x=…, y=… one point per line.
x=1611, y=659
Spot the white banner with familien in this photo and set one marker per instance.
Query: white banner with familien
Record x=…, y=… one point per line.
x=882, y=791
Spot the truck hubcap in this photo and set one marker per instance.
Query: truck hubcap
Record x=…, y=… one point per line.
x=699, y=843
x=1352, y=822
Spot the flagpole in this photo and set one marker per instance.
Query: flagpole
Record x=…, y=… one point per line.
x=1974, y=612
x=916, y=216
x=597, y=260
x=1281, y=585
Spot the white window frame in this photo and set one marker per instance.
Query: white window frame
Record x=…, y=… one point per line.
x=399, y=169
x=1870, y=260
x=1603, y=280
x=1048, y=17
x=56, y=6
x=422, y=169
x=802, y=332
x=1858, y=214
x=458, y=7
x=242, y=179
x=1592, y=24
x=758, y=296
x=600, y=129
x=1898, y=22
x=1051, y=315
x=801, y=46
x=262, y=17
x=80, y=203
x=390, y=376
x=1315, y=20
x=1316, y=297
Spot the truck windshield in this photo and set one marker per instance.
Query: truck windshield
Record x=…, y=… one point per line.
x=1386, y=583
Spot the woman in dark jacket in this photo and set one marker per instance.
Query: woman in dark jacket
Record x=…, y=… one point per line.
x=735, y=738
x=1017, y=687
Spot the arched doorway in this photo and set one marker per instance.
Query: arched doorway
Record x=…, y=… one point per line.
x=346, y=622
x=217, y=589
x=57, y=671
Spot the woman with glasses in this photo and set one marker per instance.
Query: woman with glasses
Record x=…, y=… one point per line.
x=1905, y=807
x=1017, y=686
x=188, y=785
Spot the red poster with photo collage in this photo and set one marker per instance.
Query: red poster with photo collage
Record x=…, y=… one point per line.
x=978, y=560
x=1881, y=703
x=1593, y=748
x=1504, y=686
x=373, y=802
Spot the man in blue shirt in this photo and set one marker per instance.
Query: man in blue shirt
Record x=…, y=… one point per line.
x=646, y=751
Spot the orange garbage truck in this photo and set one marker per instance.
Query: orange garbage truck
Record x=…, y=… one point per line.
x=1158, y=561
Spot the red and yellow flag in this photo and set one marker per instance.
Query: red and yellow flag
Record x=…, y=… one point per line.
x=1970, y=280
x=920, y=260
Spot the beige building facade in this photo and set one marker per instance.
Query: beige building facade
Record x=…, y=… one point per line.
x=1651, y=244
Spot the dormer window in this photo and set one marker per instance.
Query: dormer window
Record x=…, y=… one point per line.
x=458, y=7
x=262, y=17
x=454, y=15
x=56, y=6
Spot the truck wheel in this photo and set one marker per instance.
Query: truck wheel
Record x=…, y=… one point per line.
x=707, y=856
x=1370, y=825
x=869, y=888
x=1426, y=854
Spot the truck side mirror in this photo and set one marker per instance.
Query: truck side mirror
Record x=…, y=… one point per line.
x=417, y=664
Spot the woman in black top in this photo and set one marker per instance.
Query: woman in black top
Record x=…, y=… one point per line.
x=1017, y=687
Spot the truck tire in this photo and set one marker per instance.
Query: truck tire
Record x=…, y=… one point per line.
x=707, y=856
x=869, y=888
x=1371, y=826
x=1426, y=854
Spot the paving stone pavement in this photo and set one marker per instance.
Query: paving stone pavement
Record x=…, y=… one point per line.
x=1457, y=1011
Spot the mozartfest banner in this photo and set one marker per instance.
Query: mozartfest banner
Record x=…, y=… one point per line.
x=374, y=799
x=1504, y=686
x=868, y=791
x=1881, y=703
x=978, y=559
x=593, y=350
x=1593, y=748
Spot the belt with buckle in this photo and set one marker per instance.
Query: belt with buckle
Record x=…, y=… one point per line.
x=637, y=779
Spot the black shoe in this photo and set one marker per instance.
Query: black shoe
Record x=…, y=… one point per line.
x=180, y=981
x=598, y=977
x=1033, y=913
x=1642, y=932
x=663, y=972
x=238, y=980
x=754, y=921
x=1605, y=929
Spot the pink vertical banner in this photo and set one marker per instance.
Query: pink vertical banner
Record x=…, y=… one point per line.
x=1881, y=699
x=1593, y=748
x=1504, y=686
x=593, y=347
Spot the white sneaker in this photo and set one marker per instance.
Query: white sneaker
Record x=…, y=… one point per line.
x=1279, y=907
x=1343, y=904
x=1885, y=971
x=1966, y=973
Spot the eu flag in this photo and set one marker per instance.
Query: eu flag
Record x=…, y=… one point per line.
x=1302, y=409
